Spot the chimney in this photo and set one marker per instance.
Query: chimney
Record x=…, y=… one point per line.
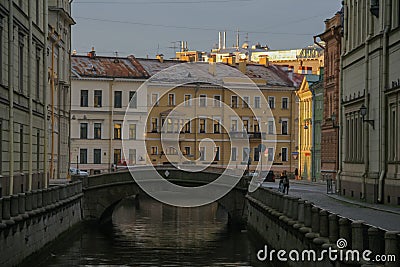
x=92, y=54
x=264, y=60
x=219, y=41
x=186, y=46
x=224, y=42
x=243, y=66
x=212, y=68
x=160, y=57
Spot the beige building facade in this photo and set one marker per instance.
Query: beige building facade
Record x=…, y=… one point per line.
x=370, y=102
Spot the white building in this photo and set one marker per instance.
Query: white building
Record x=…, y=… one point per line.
x=370, y=97
x=102, y=88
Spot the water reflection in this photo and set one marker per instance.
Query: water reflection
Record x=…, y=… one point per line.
x=153, y=234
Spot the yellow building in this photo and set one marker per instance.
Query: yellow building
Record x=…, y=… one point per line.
x=196, y=104
x=306, y=124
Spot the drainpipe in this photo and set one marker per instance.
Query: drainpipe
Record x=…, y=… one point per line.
x=31, y=95
x=343, y=46
x=11, y=93
x=313, y=171
x=110, y=87
x=45, y=87
x=384, y=85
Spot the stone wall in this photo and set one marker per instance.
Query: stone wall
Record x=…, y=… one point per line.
x=287, y=222
x=28, y=221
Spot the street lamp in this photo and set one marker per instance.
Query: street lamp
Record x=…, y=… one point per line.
x=363, y=112
x=333, y=118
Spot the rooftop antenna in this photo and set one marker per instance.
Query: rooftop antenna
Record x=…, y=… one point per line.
x=116, y=60
x=174, y=46
x=158, y=49
x=237, y=39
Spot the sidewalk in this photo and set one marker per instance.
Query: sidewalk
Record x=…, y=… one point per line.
x=381, y=216
x=380, y=207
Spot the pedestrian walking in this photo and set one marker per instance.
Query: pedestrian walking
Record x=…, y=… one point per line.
x=285, y=183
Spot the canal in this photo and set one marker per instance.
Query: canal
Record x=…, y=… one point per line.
x=154, y=234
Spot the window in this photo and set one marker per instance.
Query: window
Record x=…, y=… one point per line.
x=21, y=63
x=270, y=127
x=256, y=127
x=132, y=131
x=217, y=153
x=234, y=125
x=202, y=123
x=234, y=154
x=202, y=153
x=217, y=101
x=83, y=156
x=186, y=152
x=188, y=100
x=118, y=99
x=97, y=156
x=246, y=101
x=154, y=99
x=132, y=157
x=84, y=98
x=234, y=101
x=203, y=100
x=37, y=74
x=271, y=102
x=270, y=154
x=132, y=99
x=284, y=154
x=84, y=130
x=97, y=131
x=187, y=127
x=256, y=154
x=285, y=127
x=257, y=103
x=171, y=99
x=154, y=150
x=98, y=97
x=37, y=150
x=246, y=125
x=285, y=103
x=117, y=156
x=37, y=12
x=21, y=148
x=217, y=126
x=117, y=131
x=246, y=154
x=154, y=125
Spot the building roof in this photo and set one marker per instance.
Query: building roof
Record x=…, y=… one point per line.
x=107, y=67
x=172, y=71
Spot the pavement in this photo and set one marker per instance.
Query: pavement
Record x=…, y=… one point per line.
x=379, y=215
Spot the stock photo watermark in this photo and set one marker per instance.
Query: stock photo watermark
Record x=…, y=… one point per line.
x=331, y=254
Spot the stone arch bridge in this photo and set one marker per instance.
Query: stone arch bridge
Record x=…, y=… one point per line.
x=103, y=192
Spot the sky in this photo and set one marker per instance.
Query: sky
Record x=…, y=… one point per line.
x=148, y=27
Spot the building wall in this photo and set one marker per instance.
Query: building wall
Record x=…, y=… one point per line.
x=23, y=85
x=107, y=116
x=231, y=134
x=330, y=130
x=370, y=78
x=59, y=98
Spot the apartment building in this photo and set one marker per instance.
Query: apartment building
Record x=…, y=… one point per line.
x=26, y=34
x=104, y=90
x=370, y=107
x=195, y=102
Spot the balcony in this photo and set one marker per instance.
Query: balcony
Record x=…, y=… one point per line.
x=247, y=135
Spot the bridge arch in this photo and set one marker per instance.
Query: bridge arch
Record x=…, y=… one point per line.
x=102, y=193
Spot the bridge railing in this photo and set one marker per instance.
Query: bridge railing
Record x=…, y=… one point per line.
x=168, y=172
